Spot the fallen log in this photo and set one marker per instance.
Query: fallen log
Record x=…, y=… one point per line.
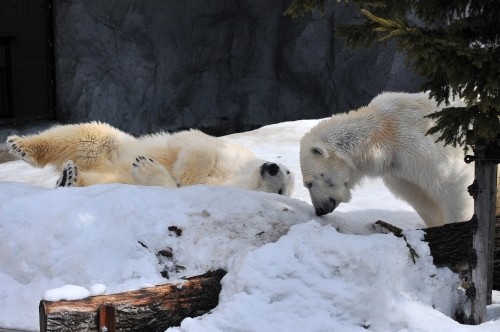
x=451, y=244
x=149, y=309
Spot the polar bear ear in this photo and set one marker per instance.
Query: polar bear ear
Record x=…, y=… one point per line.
x=319, y=150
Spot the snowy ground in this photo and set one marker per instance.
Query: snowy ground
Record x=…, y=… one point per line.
x=288, y=270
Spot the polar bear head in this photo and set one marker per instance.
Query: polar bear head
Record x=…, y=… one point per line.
x=276, y=178
x=266, y=176
x=327, y=170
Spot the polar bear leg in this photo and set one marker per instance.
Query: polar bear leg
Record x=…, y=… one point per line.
x=193, y=166
x=86, y=144
x=427, y=208
x=26, y=149
x=147, y=172
x=74, y=176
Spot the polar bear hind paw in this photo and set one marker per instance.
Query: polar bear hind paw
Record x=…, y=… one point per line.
x=144, y=166
x=17, y=149
x=148, y=172
x=69, y=175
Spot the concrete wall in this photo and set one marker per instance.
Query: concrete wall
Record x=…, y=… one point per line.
x=218, y=65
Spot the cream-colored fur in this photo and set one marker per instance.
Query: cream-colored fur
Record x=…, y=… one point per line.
x=92, y=153
x=388, y=139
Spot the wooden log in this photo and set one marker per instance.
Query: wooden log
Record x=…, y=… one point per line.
x=149, y=309
x=451, y=244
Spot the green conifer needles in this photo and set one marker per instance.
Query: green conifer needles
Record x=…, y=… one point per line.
x=453, y=44
x=300, y=7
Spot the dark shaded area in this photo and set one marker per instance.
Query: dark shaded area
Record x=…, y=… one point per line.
x=26, y=60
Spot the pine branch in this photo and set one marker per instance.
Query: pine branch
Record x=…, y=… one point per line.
x=462, y=126
x=299, y=7
x=390, y=28
x=455, y=45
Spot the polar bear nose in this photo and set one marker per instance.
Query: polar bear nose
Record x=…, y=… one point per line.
x=270, y=168
x=325, y=207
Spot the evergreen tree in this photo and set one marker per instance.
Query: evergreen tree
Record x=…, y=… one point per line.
x=453, y=44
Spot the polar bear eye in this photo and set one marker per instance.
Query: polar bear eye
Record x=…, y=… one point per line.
x=317, y=151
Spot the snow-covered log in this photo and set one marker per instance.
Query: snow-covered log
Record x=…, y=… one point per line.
x=149, y=309
x=157, y=308
x=451, y=244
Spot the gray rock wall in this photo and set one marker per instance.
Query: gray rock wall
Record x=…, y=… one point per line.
x=219, y=65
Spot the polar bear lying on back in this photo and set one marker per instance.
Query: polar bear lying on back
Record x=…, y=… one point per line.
x=387, y=139
x=92, y=153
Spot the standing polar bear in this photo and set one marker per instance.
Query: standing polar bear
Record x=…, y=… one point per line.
x=388, y=139
x=94, y=152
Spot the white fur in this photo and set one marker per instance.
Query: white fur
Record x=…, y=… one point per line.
x=388, y=139
x=100, y=153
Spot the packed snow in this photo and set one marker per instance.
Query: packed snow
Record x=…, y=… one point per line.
x=288, y=270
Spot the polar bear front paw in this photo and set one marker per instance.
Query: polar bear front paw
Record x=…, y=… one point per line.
x=69, y=175
x=18, y=149
x=148, y=172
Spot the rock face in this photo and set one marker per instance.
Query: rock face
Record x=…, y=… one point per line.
x=219, y=65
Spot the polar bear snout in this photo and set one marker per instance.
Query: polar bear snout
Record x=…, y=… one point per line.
x=275, y=178
x=325, y=207
x=270, y=168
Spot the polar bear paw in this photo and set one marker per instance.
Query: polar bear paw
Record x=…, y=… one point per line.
x=148, y=172
x=69, y=175
x=18, y=149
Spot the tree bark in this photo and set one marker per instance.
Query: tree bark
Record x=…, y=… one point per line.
x=148, y=309
x=451, y=244
x=484, y=193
